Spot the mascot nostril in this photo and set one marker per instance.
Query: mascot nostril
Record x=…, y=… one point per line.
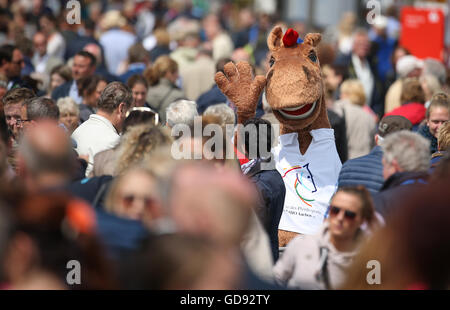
x=306, y=155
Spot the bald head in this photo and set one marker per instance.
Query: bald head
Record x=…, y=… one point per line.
x=46, y=149
x=95, y=50
x=213, y=202
x=40, y=43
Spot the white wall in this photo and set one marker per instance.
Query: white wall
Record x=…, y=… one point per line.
x=326, y=12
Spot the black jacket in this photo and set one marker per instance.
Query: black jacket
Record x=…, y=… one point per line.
x=272, y=191
x=396, y=187
x=340, y=134
x=61, y=91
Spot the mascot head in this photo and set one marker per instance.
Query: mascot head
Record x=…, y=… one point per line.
x=294, y=86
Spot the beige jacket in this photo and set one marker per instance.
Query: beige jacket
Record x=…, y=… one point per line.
x=300, y=265
x=360, y=126
x=198, y=77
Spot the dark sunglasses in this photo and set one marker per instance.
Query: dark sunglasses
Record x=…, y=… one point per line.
x=349, y=215
x=128, y=200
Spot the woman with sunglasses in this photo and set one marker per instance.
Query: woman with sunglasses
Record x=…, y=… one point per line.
x=134, y=195
x=321, y=261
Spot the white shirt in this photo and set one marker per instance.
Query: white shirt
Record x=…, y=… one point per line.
x=93, y=136
x=310, y=179
x=364, y=74
x=73, y=93
x=40, y=63
x=56, y=45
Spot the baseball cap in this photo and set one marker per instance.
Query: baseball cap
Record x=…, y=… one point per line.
x=393, y=123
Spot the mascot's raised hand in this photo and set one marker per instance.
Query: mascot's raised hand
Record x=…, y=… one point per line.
x=306, y=155
x=238, y=84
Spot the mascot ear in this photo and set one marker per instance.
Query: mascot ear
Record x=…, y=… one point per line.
x=313, y=39
x=274, y=39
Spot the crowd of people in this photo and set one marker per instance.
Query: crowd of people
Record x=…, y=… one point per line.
x=87, y=172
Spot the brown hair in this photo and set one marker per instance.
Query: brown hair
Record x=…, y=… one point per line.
x=444, y=136
x=412, y=91
x=367, y=207
x=137, y=53
x=440, y=99
x=64, y=71
x=136, y=79
x=113, y=95
x=162, y=65
x=17, y=95
x=88, y=85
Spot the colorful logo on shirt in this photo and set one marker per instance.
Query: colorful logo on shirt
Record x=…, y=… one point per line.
x=304, y=183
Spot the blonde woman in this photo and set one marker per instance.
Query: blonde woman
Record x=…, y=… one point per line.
x=353, y=90
x=69, y=113
x=137, y=143
x=161, y=78
x=359, y=124
x=134, y=195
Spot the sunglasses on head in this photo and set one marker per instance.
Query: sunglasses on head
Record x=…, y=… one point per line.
x=144, y=109
x=128, y=200
x=349, y=215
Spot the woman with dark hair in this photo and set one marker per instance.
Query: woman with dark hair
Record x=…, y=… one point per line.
x=90, y=88
x=58, y=76
x=321, y=261
x=139, y=87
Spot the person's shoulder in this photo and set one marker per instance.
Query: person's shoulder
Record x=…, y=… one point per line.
x=322, y=134
x=302, y=242
x=61, y=90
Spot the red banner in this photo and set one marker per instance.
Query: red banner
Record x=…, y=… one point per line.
x=423, y=32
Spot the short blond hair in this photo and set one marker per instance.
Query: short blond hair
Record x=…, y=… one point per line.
x=68, y=105
x=354, y=90
x=444, y=136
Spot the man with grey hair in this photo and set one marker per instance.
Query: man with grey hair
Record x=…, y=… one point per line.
x=406, y=160
x=435, y=68
x=102, y=130
x=181, y=112
x=224, y=112
x=36, y=109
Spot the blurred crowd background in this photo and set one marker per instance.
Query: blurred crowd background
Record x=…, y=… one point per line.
x=87, y=173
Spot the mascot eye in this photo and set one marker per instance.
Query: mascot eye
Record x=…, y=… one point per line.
x=313, y=57
x=271, y=61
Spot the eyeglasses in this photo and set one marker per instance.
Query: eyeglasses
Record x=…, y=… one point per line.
x=144, y=109
x=21, y=122
x=349, y=215
x=129, y=199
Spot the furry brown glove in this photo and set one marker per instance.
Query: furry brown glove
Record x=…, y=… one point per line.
x=240, y=88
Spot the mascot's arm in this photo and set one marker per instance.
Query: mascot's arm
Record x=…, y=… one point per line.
x=241, y=89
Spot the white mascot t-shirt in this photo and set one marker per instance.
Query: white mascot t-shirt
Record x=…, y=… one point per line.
x=310, y=179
